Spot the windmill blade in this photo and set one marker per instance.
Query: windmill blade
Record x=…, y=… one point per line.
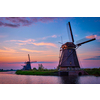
x=33, y=62
x=29, y=57
x=71, y=32
x=61, y=40
x=79, y=44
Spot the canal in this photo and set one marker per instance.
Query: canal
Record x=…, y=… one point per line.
x=11, y=78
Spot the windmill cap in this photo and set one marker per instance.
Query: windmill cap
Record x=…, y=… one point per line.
x=69, y=44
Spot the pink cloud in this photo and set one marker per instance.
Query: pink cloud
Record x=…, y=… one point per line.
x=22, y=42
x=31, y=41
x=7, y=50
x=54, y=36
x=24, y=49
x=94, y=36
x=47, y=44
x=91, y=36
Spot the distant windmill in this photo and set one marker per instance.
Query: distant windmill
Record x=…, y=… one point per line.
x=68, y=57
x=28, y=64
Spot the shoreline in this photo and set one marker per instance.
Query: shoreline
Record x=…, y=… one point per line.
x=94, y=72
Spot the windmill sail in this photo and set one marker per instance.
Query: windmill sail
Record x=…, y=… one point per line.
x=29, y=57
x=71, y=32
x=68, y=57
x=33, y=61
x=28, y=64
x=87, y=39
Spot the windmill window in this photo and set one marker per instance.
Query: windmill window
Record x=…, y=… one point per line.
x=69, y=50
x=70, y=62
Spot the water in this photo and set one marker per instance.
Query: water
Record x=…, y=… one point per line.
x=11, y=78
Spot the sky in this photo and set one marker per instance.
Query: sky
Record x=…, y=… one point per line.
x=40, y=37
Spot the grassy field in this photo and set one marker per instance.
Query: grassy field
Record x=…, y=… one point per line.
x=37, y=72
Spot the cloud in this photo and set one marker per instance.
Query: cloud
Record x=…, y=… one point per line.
x=25, y=21
x=91, y=36
x=8, y=50
x=31, y=41
x=47, y=19
x=11, y=25
x=22, y=42
x=8, y=24
x=28, y=50
x=54, y=36
x=94, y=58
x=47, y=44
x=21, y=20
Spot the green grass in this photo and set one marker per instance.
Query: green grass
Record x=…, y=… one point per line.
x=37, y=72
x=52, y=72
x=94, y=71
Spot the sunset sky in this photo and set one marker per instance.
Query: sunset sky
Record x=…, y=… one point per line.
x=40, y=37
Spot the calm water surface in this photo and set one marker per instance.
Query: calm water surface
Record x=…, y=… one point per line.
x=11, y=78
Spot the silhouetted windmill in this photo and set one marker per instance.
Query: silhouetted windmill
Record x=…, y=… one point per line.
x=28, y=64
x=68, y=57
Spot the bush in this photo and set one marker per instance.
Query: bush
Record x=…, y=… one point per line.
x=34, y=68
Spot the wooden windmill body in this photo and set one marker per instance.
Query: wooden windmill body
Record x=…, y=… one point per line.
x=68, y=56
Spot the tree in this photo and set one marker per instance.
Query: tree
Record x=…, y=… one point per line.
x=34, y=68
x=40, y=67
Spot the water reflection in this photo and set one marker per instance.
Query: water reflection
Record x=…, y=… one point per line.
x=11, y=78
x=69, y=79
x=89, y=80
x=8, y=72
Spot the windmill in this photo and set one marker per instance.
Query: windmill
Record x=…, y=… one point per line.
x=68, y=58
x=28, y=64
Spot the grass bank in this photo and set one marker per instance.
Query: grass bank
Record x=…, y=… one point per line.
x=94, y=71
x=37, y=72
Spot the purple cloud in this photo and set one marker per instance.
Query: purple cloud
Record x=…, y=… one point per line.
x=47, y=19
x=94, y=58
x=20, y=20
x=25, y=21
x=9, y=25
